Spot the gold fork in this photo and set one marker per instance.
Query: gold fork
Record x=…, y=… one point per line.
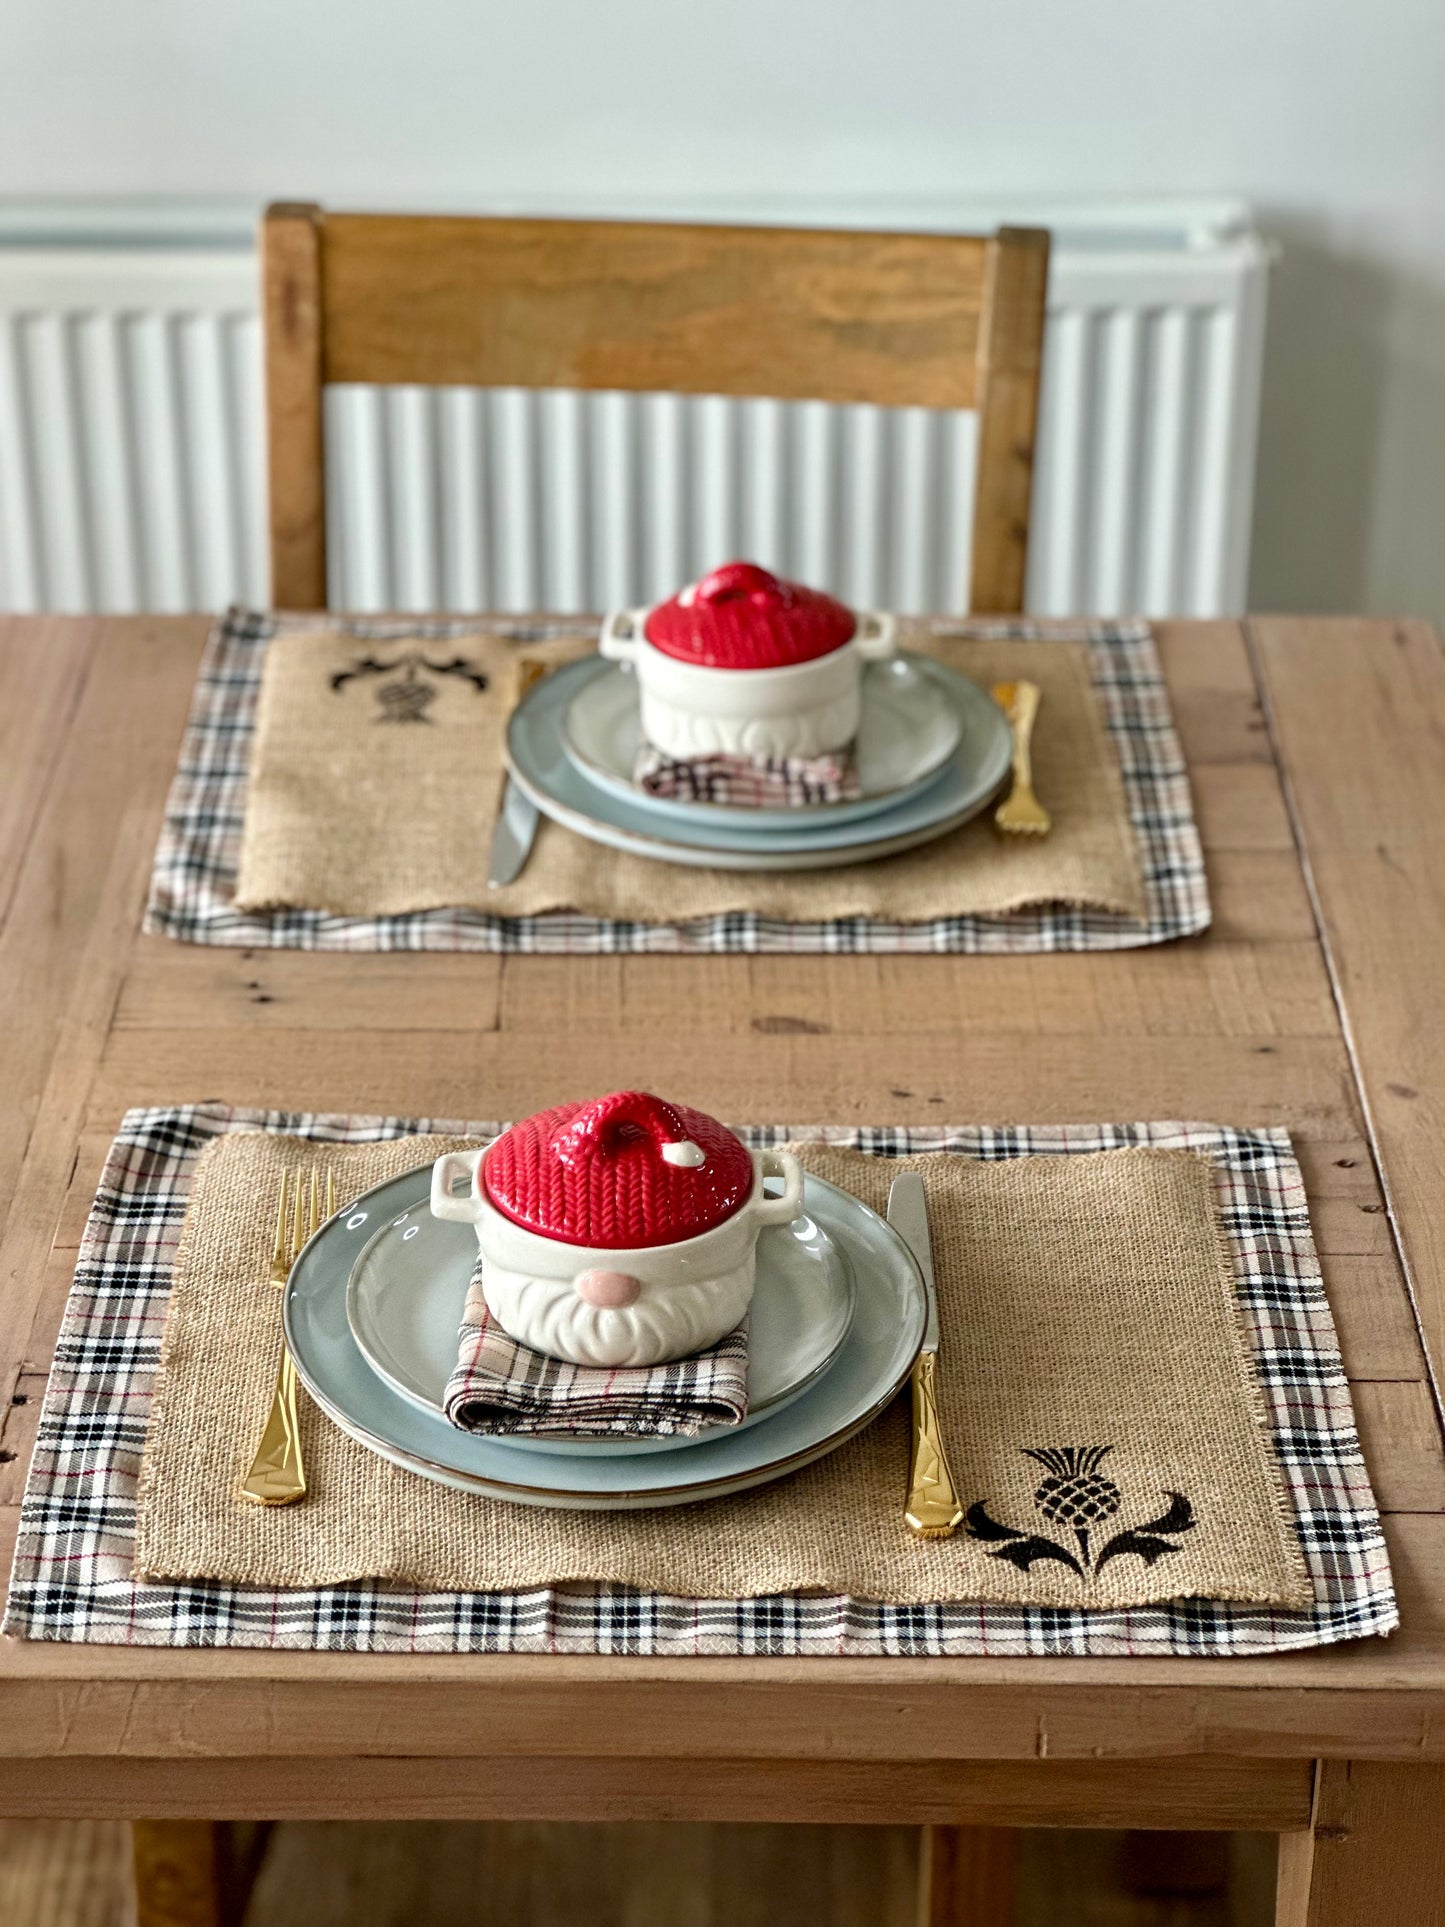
x=277, y=1474
x=1020, y=813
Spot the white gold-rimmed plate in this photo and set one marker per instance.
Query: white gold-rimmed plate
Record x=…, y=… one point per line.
x=406, y=1291
x=905, y=736
x=872, y=1364
x=542, y=769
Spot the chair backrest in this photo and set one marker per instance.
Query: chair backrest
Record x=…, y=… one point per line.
x=899, y=320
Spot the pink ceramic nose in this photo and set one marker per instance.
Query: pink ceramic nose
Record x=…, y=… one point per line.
x=610, y=1290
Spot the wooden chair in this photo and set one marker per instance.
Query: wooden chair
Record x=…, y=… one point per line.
x=899, y=320
x=926, y=320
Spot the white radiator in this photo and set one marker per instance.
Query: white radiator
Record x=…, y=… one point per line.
x=131, y=471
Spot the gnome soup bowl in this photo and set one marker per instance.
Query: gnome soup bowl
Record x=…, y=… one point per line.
x=745, y=664
x=619, y=1232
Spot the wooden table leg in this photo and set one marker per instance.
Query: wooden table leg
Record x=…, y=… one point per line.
x=1375, y=1856
x=194, y=1873
x=966, y=1877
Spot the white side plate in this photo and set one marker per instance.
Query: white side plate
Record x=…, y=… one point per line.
x=905, y=737
x=408, y=1286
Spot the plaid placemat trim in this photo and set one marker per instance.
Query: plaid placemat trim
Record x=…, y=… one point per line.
x=193, y=880
x=72, y=1573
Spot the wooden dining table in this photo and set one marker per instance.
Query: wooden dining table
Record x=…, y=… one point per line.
x=1316, y=750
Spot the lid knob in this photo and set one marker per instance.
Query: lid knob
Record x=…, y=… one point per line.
x=686, y=1153
x=737, y=582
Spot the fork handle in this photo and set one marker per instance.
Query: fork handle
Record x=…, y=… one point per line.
x=277, y=1475
x=1025, y=709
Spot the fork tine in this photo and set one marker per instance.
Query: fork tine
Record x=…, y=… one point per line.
x=278, y=1249
x=298, y=1236
x=331, y=1190
x=314, y=1216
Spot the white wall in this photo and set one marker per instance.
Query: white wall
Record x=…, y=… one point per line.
x=1327, y=114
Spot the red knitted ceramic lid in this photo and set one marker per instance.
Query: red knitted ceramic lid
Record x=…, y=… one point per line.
x=621, y=1173
x=740, y=617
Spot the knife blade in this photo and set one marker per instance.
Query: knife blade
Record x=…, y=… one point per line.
x=931, y=1508
x=908, y=1215
x=515, y=829
x=512, y=836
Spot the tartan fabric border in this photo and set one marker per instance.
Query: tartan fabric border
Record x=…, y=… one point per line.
x=72, y=1573
x=193, y=880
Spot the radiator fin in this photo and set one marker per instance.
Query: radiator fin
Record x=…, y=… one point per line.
x=131, y=465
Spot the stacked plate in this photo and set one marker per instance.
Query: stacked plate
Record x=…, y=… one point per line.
x=932, y=750
x=374, y=1307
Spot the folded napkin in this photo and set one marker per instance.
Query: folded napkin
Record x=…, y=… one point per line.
x=502, y=1386
x=749, y=782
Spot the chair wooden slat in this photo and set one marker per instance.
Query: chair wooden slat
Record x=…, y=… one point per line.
x=898, y=320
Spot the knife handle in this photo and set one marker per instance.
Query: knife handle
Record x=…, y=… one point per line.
x=530, y=672
x=932, y=1510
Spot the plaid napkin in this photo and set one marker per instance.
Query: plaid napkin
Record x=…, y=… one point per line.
x=502, y=1386
x=749, y=782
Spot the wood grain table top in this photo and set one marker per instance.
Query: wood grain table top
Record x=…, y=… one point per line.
x=1316, y=749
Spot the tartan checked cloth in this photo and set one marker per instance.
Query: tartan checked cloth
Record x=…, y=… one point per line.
x=193, y=879
x=72, y=1574
x=500, y=1385
x=749, y=782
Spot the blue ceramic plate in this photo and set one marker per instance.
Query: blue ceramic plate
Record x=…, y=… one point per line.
x=872, y=1363
x=538, y=760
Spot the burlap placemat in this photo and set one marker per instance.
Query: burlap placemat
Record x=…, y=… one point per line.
x=376, y=773
x=1094, y=1379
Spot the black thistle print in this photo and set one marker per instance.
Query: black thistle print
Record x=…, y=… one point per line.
x=1077, y=1496
x=407, y=698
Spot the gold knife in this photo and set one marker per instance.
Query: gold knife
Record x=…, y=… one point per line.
x=931, y=1509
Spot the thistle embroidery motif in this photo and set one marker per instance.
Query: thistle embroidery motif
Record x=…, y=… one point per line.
x=1076, y=1495
x=407, y=699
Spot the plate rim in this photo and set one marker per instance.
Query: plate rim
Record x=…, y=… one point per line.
x=616, y=1500
x=697, y=857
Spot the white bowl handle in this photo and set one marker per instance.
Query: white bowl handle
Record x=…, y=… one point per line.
x=450, y=1166
x=622, y=634
x=777, y=1163
x=876, y=634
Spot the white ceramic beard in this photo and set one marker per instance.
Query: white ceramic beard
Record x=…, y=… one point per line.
x=681, y=731
x=668, y=1320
